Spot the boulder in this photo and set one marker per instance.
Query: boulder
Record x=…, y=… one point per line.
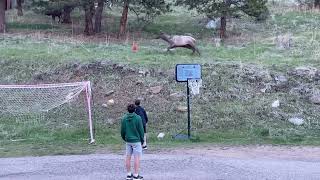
x=109, y=93
x=182, y=109
x=267, y=88
x=160, y=136
x=178, y=96
x=281, y=79
x=315, y=99
x=143, y=73
x=304, y=72
x=255, y=74
x=276, y=104
x=156, y=89
x=302, y=89
x=139, y=82
x=110, y=121
x=110, y=102
x=213, y=24
x=296, y=121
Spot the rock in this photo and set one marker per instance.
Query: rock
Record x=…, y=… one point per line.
x=304, y=90
x=276, y=104
x=281, y=79
x=281, y=84
x=110, y=121
x=156, y=89
x=110, y=102
x=177, y=96
x=266, y=89
x=296, y=121
x=213, y=24
x=255, y=74
x=143, y=73
x=160, y=136
x=109, y=93
x=315, y=99
x=139, y=82
x=141, y=98
x=182, y=109
x=304, y=72
x=317, y=76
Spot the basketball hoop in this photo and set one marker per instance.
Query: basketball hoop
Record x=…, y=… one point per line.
x=194, y=85
x=190, y=73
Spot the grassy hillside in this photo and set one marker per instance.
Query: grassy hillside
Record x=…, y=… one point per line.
x=232, y=108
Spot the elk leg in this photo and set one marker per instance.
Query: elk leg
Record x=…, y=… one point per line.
x=194, y=49
x=198, y=51
x=189, y=46
x=170, y=47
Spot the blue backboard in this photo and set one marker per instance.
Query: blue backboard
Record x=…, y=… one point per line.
x=187, y=71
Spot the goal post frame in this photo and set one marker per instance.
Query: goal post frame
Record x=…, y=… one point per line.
x=88, y=92
x=86, y=88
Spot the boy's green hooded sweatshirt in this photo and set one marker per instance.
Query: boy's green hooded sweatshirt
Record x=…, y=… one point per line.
x=131, y=128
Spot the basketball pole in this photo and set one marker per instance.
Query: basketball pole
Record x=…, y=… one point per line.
x=185, y=72
x=189, y=116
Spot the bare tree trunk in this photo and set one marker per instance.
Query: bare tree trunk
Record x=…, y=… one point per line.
x=2, y=16
x=8, y=4
x=98, y=18
x=19, y=7
x=89, y=12
x=124, y=19
x=66, y=14
x=317, y=4
x=223, y=27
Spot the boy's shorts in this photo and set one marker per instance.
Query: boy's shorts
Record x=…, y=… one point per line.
x=134, y=149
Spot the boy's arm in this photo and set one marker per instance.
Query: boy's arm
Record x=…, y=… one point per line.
x=140, y=129
x=145, y=115
x=123, y=130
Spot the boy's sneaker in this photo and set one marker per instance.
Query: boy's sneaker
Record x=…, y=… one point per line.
x=129, y=177
x=145, y=148
x=138, y=177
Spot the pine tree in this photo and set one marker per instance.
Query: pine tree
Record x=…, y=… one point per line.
x=146, y=8
x=227, y=8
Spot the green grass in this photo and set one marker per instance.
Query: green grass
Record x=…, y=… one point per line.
x=16, y=25
x=108, y=140
x=152, y=53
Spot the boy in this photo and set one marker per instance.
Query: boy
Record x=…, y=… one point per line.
x=132, y=133
x=142, y=113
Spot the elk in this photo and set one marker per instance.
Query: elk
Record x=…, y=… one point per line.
x=54, y=14
x=179, y=41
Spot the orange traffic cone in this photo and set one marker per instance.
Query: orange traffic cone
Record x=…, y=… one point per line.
x=135, y=47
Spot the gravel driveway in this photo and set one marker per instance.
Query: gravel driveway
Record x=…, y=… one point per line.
x=212, y=163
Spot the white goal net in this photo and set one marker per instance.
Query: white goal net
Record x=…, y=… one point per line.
x=17, y=100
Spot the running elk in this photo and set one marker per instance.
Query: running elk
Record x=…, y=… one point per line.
x=179, y=41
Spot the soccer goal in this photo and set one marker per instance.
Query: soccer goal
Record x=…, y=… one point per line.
x=51, y=102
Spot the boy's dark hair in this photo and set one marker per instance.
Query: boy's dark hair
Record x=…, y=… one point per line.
x=131, y=108
x=137, y=102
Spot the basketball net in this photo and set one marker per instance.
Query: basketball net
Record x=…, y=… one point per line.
x=194, y=85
